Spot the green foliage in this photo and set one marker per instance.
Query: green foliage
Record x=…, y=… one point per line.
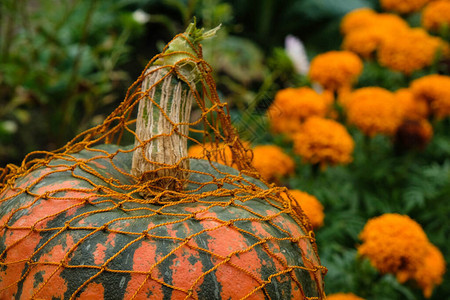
x=348, y=273
x=59, y=69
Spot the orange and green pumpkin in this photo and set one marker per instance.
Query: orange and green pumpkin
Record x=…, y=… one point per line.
x=77, y=225
x=105, y=243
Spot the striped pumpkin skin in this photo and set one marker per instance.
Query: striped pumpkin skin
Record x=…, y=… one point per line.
x=92, y=237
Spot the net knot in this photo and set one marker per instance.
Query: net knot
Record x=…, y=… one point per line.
x=46, y=195
x=312, y=236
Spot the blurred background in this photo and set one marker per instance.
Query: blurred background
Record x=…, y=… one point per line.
x=65, y=65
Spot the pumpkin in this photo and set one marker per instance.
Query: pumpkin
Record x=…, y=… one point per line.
x=82, y=224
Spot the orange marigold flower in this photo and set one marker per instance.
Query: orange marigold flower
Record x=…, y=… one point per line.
x=323, y=141
x=272, y=163
x=407, y=51
x=293, y=105
x=299, y=103
x=403, y=6
x=310, y=205
x=366, y=40
x=434, y=89
x=286, y=126
x=373, y=110
x=220, y=152
x=335, y=69
x=436, y=15
x=412, y=107
x=413, y=134
x=364, y=18
x=328, y=97
x=199, y=150
x=211, y=150
x=357, y=19
x=394, y=244
x=430, y=272
x=343, y=296
x=344, y=95
x=391, y=21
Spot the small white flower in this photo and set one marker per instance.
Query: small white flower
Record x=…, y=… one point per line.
x=141, y=16
x=297, y=53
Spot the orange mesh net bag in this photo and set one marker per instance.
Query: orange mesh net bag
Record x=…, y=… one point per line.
x=122, y=211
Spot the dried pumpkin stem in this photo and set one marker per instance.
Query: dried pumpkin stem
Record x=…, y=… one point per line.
x=163, y=114
x=161, y=138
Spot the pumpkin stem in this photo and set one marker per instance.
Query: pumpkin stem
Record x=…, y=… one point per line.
x=160, y=159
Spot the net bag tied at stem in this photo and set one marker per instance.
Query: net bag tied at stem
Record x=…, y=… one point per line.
x=123, y=212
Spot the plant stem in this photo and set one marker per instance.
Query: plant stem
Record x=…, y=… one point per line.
x=162, y=129
x=160, y=132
